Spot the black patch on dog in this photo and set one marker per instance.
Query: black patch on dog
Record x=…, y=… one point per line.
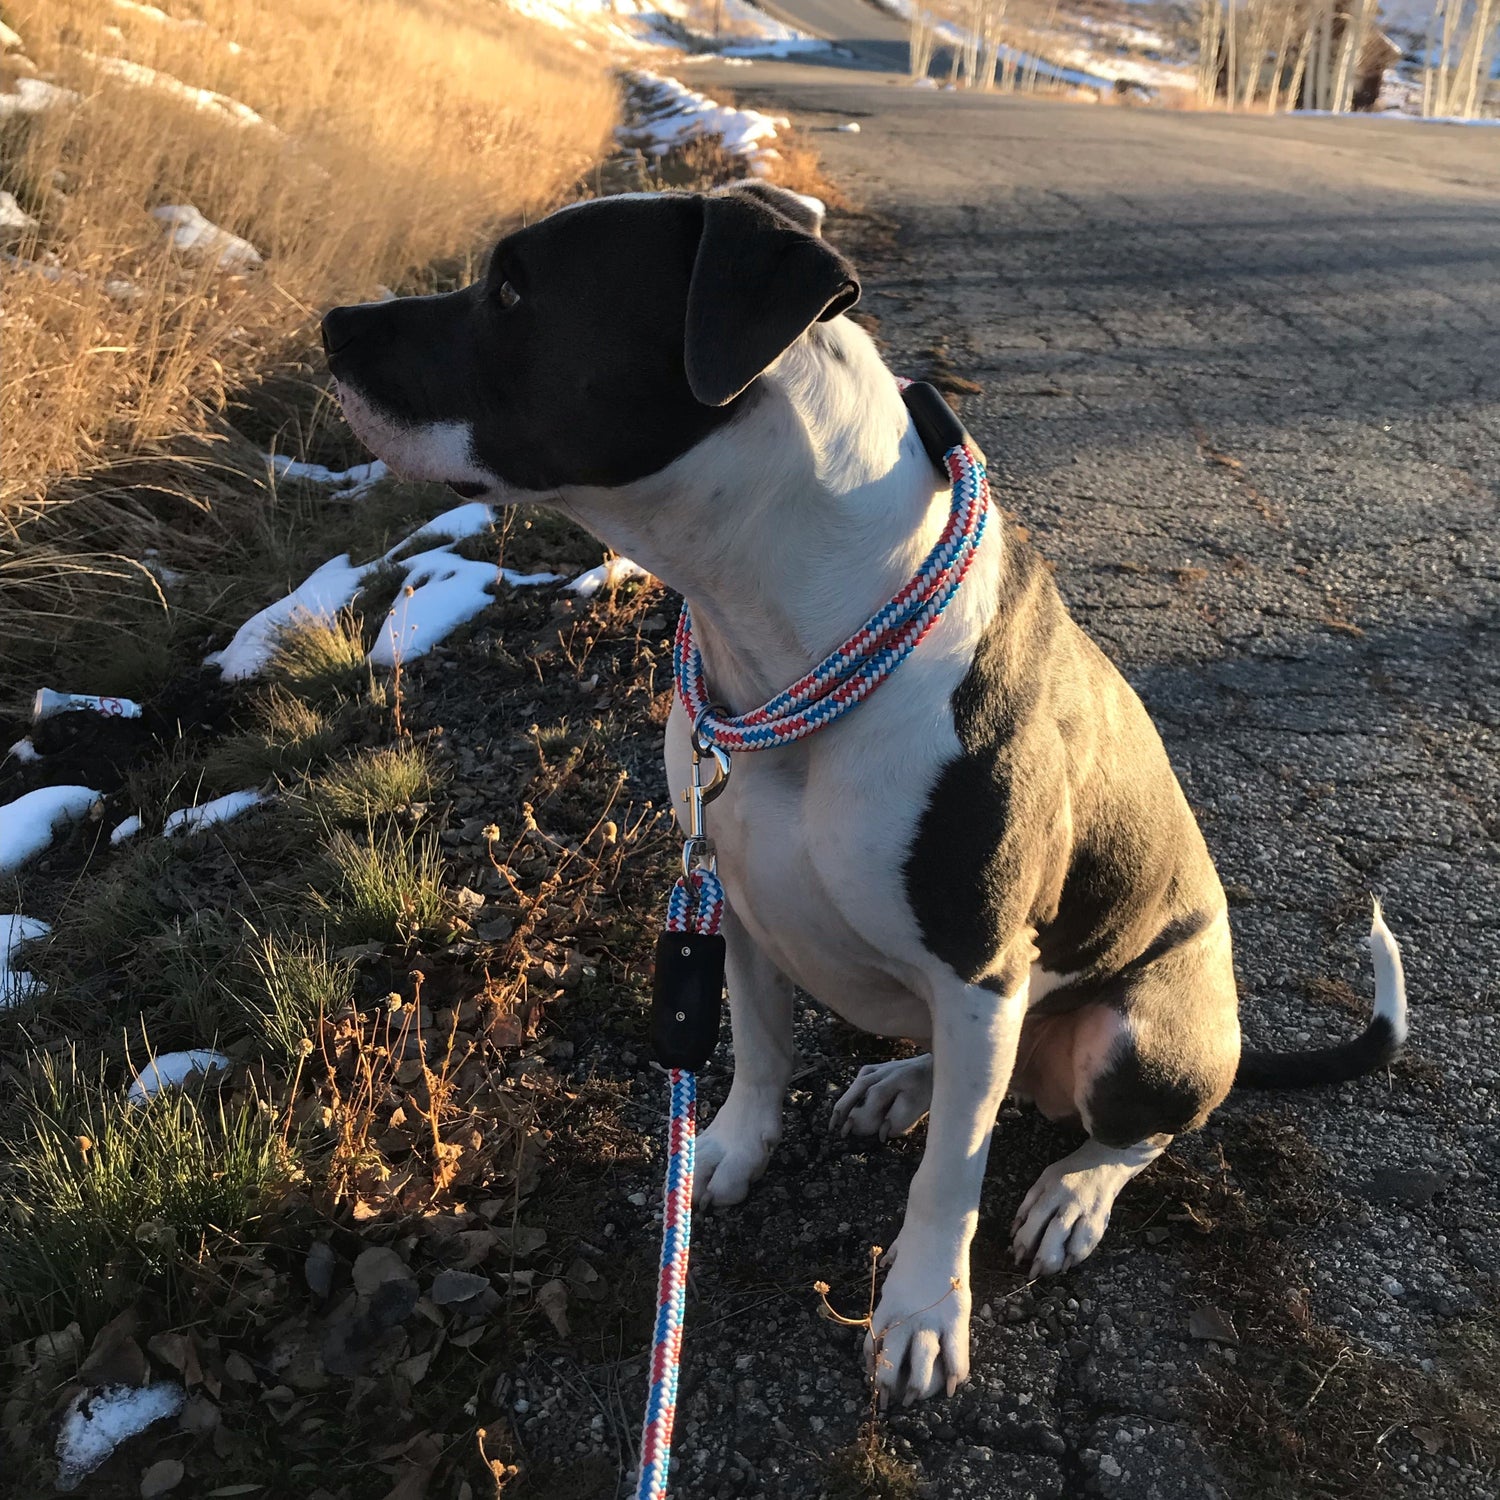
x=1061, y=815
x=605, y=341
x=1138, y=1096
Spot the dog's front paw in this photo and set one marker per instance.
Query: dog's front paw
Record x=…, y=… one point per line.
x=919, y=1337
x=886, y=1099
x=730, y=1155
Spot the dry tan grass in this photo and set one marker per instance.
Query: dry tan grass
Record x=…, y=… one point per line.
x=396, y=134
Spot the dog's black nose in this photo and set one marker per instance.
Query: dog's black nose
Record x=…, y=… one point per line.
x=339, y=329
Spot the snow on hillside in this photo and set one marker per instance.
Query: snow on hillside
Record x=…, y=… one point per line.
x=687, y=25
x=673, y=114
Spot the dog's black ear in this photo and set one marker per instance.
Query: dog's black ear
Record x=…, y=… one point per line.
x=759, y=283
x=805, y=212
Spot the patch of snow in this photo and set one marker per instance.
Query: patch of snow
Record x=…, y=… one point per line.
x=117, y=288
x=849, y=128
x=352, y=481
x=99, y=1420
x=791, y=46
x=1392, y=115
x=207, y=814
x=13, y=217
x=174, y=1070
x=10, y=41
x=442, y=592
x=29, y=824
x=528, y=580
x=320, y=596
x=32, y=95
x=609, y=574
x=169, y=576
x=457, y=525
x=126, y=829
x=140, y=76
x=674, y=114
x=16, y=984
x=156, y=14
x=194, y=235
x=23, y=751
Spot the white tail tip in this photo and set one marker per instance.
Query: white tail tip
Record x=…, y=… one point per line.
x=1390, y=978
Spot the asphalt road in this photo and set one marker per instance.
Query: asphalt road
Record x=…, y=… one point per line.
x=867, y=35
x=1241, y=379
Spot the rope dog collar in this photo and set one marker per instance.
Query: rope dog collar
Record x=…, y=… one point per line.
x=688, y=988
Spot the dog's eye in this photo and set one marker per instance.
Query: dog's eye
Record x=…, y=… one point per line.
x=509, y=296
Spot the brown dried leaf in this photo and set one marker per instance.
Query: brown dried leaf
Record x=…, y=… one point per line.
x=414, y=1370
x=199, y=1417
x=1212, y=1323
x=472, y=1246
x=454, y=1288
x=318, y=1268
x=53, y=1352
x=553, y=1300
x=522, y=1242
x=377, y=1266
x=181, y=1352
x=115, y=1358
x=165, y=1474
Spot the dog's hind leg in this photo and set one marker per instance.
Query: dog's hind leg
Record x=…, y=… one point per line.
x=886, y=1098
x=1065, y=1214
x=1136, y=1079
x=737, y=1145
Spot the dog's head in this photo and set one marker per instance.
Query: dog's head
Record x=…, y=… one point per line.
x=604, y=341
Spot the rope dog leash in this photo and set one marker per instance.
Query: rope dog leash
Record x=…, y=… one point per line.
x=688, y=987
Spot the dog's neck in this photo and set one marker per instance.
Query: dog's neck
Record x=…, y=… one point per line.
x=791, y=525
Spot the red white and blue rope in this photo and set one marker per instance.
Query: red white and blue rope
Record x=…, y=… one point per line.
x=696, y=905
x=851, y=673
x=841, y=680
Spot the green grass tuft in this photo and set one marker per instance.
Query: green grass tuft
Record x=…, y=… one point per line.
x=321, y=659
x=374, y=783
x=296, y=983
x=287, y=736
x=387, y=886
x=109, y=1200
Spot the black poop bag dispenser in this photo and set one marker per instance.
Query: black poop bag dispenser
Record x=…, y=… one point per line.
x=687, y=991
x=687, y=996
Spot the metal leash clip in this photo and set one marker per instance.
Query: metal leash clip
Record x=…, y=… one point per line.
x=698, y=849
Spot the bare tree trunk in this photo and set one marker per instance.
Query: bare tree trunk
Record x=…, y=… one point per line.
x=1208, y=50
x=1259, y=15
x=1281, y=48
x=919, y=44
x=1299, y=72
x=1428, y=72
x=1352, y=45
x=1231, y=56
x=1476, y=54
x=1443, y=104
x=1324, y=78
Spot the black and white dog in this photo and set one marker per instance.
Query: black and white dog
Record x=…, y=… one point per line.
x=991, y=855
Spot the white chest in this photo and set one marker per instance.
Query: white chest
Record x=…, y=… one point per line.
x=812, y=844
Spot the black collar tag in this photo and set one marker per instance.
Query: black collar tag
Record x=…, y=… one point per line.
x=937, y=423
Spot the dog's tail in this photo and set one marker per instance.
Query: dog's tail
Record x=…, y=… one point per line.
x=1379, y=1043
